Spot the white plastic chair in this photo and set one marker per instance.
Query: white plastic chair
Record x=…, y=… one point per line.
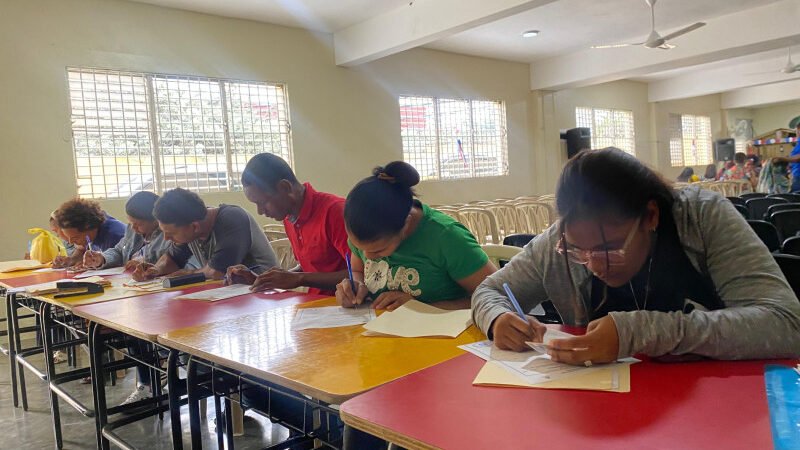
x=481, y=223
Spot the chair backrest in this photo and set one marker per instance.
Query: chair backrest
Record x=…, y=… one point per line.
x=767, y=233
x=507, y=218
x=750, y=195
x=791, y=246
x=742, y=210
x=481, y=223
x=758, y=206
x=786, y=222
x=283, y=250
x=736, y=200
x=274, y=231
x=790, y=266
x=535, y=216
x=518, y=240
x=793, y=198
x=450, y=211
x=499, y=255
x=780, y=207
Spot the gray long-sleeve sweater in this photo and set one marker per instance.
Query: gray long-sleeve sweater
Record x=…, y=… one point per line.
x=130, y=246
x=761, y=317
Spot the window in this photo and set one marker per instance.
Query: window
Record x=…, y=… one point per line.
x=609, y=127
x=454, y=139
x=690, y=140
x=137, y=131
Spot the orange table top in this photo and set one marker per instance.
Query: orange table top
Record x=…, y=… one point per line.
x=147, y=316
x=331, y=364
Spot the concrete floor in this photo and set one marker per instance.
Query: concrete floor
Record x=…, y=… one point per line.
x=33, y=429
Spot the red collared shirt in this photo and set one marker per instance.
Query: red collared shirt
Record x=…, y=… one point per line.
x=318, y=236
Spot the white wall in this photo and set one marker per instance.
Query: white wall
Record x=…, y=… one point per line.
x=772, y=117
x=344, y=121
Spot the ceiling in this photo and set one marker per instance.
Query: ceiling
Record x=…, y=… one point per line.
x=743, y=46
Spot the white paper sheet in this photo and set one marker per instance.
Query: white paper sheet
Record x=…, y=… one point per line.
x=331, y=317
x=213, y=295
x=532, y=366
x=49, y=269
x=417, y=319
x=102, y=272
x=153, y=285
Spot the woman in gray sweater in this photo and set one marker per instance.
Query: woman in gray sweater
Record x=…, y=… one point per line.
x=646, y=269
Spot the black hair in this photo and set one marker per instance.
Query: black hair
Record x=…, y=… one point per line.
x=609, y=182
x=739, y=158
x=265, y=171
x=140, y=206
x=179, y=207
x=686, y=174
x=81, y=214
x=711, y=171
x=378, y=205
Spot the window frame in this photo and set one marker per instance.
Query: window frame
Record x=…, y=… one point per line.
x=616, y=138
x=680, y=137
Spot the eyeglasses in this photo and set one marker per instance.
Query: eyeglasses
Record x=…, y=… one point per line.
x=615, y=257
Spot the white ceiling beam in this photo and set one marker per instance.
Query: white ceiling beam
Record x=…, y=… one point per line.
x=420, y=23
x=714, y=81
x=751, y=31
x=761, y=95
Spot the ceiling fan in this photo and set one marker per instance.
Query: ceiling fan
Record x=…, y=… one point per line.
x=655, y=40
x=789, y=68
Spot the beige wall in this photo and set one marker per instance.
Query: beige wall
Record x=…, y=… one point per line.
x=773, y=117
x=708, y=105
x=344, y=121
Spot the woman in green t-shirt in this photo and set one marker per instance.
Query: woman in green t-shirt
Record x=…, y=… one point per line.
x=403, y=250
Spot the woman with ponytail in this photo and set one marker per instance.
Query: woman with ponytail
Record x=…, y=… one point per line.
x=403, y=250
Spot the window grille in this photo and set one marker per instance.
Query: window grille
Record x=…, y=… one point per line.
x=690, y=142
x=609, y=127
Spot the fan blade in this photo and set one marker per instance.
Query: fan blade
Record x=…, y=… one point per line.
x=616, y=45
x=683, y=31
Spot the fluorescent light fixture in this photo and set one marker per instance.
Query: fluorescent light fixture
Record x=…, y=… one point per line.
x=530, y=33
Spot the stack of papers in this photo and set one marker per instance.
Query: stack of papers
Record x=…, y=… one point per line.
x=536, y=370
x=417, y=319
x=22, y=264
x=331, y=317
x=146, y=286
x=51, y=288
x=214, y=295
x=102, y=272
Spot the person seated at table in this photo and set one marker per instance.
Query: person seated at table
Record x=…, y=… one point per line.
x=218, y=237
x=143, y=240
x=687, y=176
x=648, y=269
x=56, y=230
x=83, y=222
x=404, y=250
x=314, y=224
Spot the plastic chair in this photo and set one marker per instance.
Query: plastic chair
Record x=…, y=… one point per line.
x=499, y=255
x=790, y=266
x=481, y=223
x=786, y=222
x=507, y=218
x=743, y=211
x=758, y=206
x=793, y=198
x=274, y=231
x=750, y=195
x=791, y=246
x=767, y=233
x=535, y=216
x=737, y=200
x=283, y=250
x=518, y=240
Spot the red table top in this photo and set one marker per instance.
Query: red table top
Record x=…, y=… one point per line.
x=699, y=405
x=147, y=316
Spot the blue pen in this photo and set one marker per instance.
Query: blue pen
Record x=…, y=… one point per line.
x=350, y=273
x=514, y=302
x=88, y=243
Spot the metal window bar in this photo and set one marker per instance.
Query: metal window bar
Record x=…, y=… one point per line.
x=609, y=127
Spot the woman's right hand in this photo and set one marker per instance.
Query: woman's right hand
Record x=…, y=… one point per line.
x=93, y=260
x=61, y=262
x=345, y=295
x=510, y=332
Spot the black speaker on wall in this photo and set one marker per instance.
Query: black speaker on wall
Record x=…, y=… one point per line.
x=578, y=139
x=724, y=149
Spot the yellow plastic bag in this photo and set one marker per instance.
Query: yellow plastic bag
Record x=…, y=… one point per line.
x=46, y=246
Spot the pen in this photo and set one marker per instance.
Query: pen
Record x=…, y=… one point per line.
x=88, y=243
x=514, y=302
x=350, y=273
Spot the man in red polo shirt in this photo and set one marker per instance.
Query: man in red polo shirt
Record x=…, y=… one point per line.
x=314, y=223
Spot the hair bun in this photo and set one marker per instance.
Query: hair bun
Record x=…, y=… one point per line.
x=398, y=172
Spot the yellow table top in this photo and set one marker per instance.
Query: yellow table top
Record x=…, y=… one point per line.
x=331, y=364
x=17, y=274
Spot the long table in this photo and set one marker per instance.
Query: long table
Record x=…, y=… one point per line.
x=699, y=405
